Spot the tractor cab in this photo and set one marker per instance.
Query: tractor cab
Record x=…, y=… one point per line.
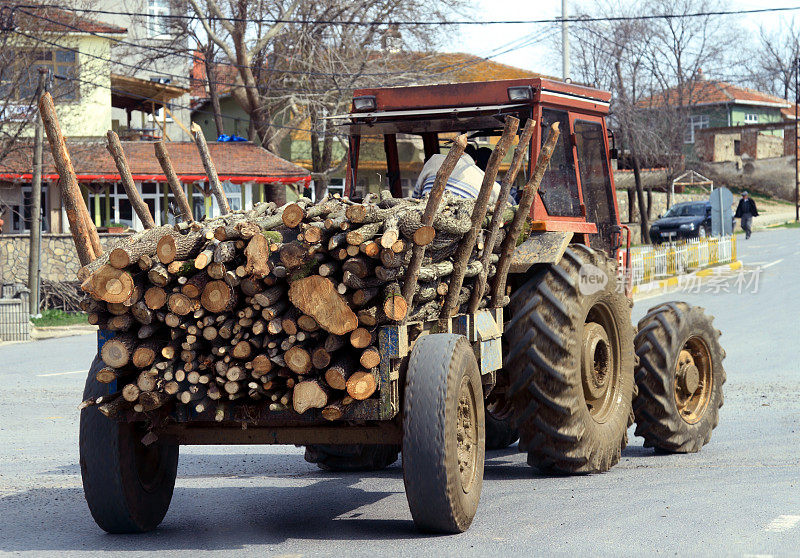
x=394, y=130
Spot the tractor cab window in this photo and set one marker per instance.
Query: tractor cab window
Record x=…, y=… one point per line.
x=559, y=187
x=596, y=183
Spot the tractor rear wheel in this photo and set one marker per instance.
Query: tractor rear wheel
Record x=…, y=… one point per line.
x=443, y=433
x=352, y=457
x=679, y=376
x=127, y=485
x=570, y=364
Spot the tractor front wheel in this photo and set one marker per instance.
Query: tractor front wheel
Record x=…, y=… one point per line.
x=679, y=378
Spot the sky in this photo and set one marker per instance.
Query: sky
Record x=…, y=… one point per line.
x=542, y=55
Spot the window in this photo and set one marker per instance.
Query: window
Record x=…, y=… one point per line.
x=19, y=75
x=559, y=187
x=21, y=213
x=694, y=122
x=751, y=118
x=596, y=183
x=336, y=186
x=157, y=22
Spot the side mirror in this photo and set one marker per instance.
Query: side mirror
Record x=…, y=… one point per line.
x=613, y=153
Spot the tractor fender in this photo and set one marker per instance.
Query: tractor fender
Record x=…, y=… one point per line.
x=540, y=248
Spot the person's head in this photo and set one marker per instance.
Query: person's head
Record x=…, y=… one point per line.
x=482, y=157
x=745, y=195
x=472, y=151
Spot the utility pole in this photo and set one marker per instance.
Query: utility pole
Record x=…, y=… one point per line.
x=564, y=41
x=35, y=251
x=796, y=140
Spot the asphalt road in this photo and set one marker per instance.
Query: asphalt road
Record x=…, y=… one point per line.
x=739, y=496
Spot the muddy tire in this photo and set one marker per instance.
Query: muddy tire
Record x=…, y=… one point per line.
x=128, y=486
x=679, y=378
x=443, y=434
x=353, y=457
x=500, y=429
x=570, y=364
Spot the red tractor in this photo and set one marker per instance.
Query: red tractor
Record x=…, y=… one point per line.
x=560, y=367
x=576, y=374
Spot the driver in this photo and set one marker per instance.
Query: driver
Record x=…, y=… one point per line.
x=465, y=180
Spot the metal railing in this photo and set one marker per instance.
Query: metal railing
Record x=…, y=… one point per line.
x=649, y=263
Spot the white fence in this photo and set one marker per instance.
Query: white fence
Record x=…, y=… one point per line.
x=649, y=263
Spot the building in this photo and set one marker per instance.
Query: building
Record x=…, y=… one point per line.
x=725, y=121
x=296, y=147
x=142, y=54
x=87, y=94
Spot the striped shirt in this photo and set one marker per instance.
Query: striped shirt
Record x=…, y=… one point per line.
x=465, y=180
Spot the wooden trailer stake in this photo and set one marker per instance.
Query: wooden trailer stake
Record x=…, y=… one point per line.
x=115, y=148
x=434, y=198
x=510, y=242
x=211, y=170
x=479, y=286
x=173, y=181
x=464, y=250
x=70, y=193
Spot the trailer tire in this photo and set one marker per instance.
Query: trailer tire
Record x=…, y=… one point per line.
x=443, y=434
x=570, y=364
x=352, y=457
x=679, y=376
x=128, y=486
x=500, y=429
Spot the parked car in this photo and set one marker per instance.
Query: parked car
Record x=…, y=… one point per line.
x=682, y=221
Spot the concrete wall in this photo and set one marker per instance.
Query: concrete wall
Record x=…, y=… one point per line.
x=59, y=258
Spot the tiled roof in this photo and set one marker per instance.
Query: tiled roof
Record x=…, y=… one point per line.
x=708, y=92
x=60, y=21
x=234, y=161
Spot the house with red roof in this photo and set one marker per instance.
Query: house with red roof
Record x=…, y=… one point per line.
x=726, y=122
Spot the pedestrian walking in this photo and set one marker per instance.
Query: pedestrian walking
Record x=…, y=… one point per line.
x=745, y=211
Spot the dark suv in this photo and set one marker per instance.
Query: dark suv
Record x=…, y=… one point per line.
x=683, y=220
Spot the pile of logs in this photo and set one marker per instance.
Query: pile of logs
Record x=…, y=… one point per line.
x=281, y=305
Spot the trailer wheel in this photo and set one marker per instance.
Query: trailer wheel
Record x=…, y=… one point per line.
x=679, y=376
x=570, y=364
x=127, y=485
x=443, y=434
x=352, y=457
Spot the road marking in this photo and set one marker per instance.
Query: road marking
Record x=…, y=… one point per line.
x=776, y=262
x=782, y=523
x=62, y=373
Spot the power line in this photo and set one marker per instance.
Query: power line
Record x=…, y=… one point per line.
x=301, y=21
x=446, y=69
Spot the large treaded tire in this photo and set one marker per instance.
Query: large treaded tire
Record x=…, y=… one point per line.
x=443, y=386
x=545, y=336
x=352, y=457
x=663, y=333
x=122, y=497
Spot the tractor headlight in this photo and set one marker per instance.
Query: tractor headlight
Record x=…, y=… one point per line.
x=687, y=227
x=367, y=102
x=524, y=93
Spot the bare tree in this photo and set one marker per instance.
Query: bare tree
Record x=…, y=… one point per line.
x=776, y=60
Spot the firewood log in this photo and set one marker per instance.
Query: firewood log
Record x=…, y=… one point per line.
x=309, y=394
x=361, y=385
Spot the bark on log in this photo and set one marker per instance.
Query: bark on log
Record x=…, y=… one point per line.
x=142, y=211
x=173, y=181
x=479, y=286
x=432, y=205
x=528, y=194
x=467, y=244
x=211, y=170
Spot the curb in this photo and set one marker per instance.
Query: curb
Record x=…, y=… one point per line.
x=54, y=332
x=654, y=288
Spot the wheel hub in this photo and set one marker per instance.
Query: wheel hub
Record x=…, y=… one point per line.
x=467, y=432
x=596, y=360
x=693, y=378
